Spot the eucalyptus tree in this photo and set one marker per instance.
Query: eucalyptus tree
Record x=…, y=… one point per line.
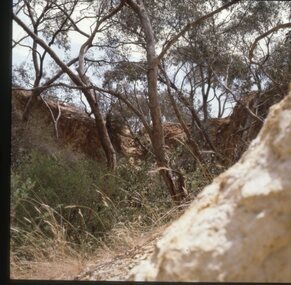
x=275, y=63
x=214, y=58
x=37, y=22
x=45, y=19
x=131, y=33
x=141, y=30
x=260, y=33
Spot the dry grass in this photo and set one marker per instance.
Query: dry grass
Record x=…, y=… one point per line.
x=43, y=258
x=125, y=247
x=130, y=210
x=125, y=237
x=40, y=256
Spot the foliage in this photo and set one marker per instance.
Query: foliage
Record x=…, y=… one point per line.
x=78, y=203
x=66, y=187
x=202, y=49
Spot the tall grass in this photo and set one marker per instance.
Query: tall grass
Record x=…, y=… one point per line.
x=61, y=207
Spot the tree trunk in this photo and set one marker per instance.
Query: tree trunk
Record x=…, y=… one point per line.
x=100, y=124
x=35, y=93
x=195, y=119
x=28, y=105
x=190, y=139
x=156, y=133
x=102, y=131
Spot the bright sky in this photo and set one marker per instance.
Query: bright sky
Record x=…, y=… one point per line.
x=21, y=54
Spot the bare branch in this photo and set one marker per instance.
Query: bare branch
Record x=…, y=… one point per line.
x=101, y=90
x=238, y=101
x=88, y=43
x=54, y=56
x=76, y=28
x=191, y=25
x=274, y=29
x=18, y=42
x=55, y=120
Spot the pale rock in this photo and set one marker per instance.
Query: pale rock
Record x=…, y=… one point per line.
x=239, y=227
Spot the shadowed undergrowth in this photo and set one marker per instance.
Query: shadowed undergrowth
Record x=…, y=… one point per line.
x=70, y=208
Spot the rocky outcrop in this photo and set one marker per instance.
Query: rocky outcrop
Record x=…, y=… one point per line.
x=232, y=135
x=77, y=131
x=239, y=227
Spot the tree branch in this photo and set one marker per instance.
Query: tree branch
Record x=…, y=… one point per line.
x=55, y=120
x=274, y=29
x=191, y=25
x=238, y=101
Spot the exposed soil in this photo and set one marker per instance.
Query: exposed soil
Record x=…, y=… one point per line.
x=105, y=264
x=115, y=267
x=64, y=269
x=230, y=135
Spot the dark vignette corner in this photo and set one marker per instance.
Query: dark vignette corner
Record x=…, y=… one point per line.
x=5, y=127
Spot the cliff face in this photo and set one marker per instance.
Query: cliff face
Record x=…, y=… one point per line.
x=231, y=135
x=75, y=128
x=239, y=228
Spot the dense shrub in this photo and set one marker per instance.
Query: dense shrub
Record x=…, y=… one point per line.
x=79, y=201
x=60, y=204
x=72, y=188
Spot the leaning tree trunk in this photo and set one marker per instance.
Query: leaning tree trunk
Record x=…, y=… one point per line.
x=177, y=192
x=100, y=124
x=104, y=137
x=27, y=109
x=35, y=93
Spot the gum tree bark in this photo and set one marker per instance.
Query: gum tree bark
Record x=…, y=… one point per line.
x=156, y=133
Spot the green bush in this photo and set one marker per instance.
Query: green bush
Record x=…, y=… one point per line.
x=70, y=188
x=82, y=200
x=145, y=197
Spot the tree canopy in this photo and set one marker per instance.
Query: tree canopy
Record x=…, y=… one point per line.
x=186, y=61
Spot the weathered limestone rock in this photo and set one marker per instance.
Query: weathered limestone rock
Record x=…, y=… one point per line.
x=239, y=228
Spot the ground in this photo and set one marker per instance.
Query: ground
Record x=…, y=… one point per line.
x=117, y=266
x=105, y=264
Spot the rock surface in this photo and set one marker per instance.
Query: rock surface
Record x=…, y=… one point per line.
x=239, y=227
x=76, y=129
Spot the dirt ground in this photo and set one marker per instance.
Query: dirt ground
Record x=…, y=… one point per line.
x=111, y=265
